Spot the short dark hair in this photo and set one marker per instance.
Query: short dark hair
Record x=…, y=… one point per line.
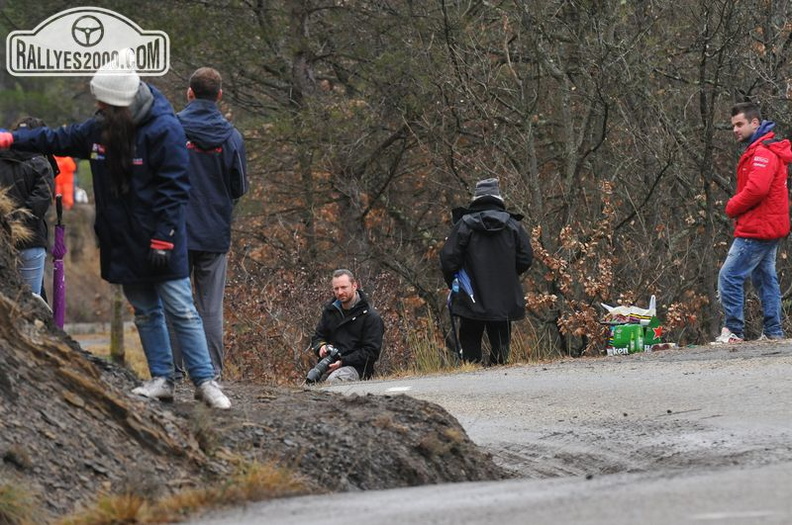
x=749, y=109
x=29, y=123
x=343, y=271
x=206, y=83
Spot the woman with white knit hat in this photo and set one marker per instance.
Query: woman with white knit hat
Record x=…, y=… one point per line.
x=138, y=155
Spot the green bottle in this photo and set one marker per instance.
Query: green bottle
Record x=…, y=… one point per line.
x=636, y=339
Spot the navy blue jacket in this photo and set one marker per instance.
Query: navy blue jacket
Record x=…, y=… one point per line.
x=217, y=175
x=153, y=208
x=493, y=247
x=357, y=334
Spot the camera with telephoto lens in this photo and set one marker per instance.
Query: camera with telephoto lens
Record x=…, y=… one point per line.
x=316, y=373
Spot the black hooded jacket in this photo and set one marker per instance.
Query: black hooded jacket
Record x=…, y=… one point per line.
x=29, y=179
x=493, y=247
x=357, y=333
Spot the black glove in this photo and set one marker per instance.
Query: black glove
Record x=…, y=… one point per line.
x=159, y=253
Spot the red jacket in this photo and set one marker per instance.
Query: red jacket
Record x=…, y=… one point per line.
x=760, y=208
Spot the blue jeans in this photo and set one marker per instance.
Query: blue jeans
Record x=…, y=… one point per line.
x=176, y=297
x=755, y=259
x=31, y=267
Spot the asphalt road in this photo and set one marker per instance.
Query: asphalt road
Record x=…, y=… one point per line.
x=686, y=436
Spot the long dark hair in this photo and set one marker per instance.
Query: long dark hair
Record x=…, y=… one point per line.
x=118, y=137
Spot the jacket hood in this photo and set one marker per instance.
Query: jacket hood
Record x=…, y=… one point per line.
x=149, y=103
x=11, y=155
x=484, y=213
x=204, y=124
x=141, y=105
x=488, y=220
x=782, y=148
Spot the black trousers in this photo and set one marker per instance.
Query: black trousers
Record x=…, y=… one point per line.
x=471, y=332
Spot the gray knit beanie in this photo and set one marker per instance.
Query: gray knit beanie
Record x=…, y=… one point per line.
x=487, y=187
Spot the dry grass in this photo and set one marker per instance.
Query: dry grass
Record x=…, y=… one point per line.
x=18, y=505
x=14, y=217
x=430, y=355
x=427, y=345
x=99, y=344
x=252, y=482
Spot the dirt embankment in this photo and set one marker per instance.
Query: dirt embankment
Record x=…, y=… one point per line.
x=70, y=430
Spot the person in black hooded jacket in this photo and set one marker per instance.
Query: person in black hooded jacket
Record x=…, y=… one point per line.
x=218, y=178
x=353, y=326
x=493, y=248
x=28, y=178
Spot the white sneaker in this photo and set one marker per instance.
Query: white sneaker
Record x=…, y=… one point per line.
x=727, y=337
x=157, y=388
x=209, y=392
x=42, y=302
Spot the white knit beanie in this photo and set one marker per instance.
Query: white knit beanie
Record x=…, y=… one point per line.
x=115, y=86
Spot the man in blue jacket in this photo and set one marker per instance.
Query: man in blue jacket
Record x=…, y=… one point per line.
x=218, y=179
x=138, y=157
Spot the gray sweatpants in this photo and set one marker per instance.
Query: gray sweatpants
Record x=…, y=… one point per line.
x=208, y=277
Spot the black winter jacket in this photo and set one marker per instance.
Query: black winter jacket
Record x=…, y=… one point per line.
x=358, y=334
x=494, y=249
x=29, y=179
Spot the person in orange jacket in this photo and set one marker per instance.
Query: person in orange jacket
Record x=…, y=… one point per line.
x=64, y=181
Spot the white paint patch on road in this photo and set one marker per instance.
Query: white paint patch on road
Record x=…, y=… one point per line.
x=399, y=389
x=719, y=516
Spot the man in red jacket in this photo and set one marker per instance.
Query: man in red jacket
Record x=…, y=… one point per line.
x=760, y=209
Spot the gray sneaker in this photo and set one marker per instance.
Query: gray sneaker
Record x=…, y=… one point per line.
x=765, y=337
x=209, y=392
x=158, y=388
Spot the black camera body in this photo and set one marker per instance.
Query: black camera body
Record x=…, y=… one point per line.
x=315, y=374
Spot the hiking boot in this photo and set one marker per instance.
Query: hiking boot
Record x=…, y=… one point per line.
x=209, y=392
x=727, y=337
x=158, y=388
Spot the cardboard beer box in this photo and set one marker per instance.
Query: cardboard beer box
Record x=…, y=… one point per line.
x=632, y=338
x=653, y=334
x=632, y=329
x=625, y=339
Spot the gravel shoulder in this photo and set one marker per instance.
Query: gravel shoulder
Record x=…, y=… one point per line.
x=683, y=408
x=690, y=435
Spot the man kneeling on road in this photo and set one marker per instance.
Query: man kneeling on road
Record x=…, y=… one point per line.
x=351, y=325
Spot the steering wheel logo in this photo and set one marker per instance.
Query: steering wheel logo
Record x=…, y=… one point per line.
x=87, y=31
